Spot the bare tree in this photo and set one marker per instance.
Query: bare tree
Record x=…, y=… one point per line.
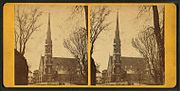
x=98, y=17
x=158, y=29
x=77, y=42
x=147, y=46
x=97, y=21
x=81, y=9
x=26, y=25
x=159, y=33
x=77, y=46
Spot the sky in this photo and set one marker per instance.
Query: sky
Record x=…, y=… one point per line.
x=62, y=25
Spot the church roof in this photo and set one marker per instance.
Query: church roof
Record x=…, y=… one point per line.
x=130, y=61
x=134, y=61
x=63, y=61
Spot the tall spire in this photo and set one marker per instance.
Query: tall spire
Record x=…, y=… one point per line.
x=48, y=42
x=48, y=38
x=117, y=74
x=48, y=53
x=117, y=26
x=117, y=45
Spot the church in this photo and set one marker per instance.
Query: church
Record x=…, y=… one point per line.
x=124, y=69
x=57, y=69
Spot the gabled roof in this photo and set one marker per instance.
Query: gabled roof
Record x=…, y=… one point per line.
x=63, y=61
x=134, y=61
x=129, y=61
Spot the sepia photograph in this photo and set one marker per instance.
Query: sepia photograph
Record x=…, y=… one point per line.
x=89, y=45
x=50, y=45
x=127, y=45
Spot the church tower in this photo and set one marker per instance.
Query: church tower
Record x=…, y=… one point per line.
x=48, y=54
x=117, y=73
x=117, y=43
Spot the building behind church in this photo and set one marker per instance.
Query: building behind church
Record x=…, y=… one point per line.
x=123, y=70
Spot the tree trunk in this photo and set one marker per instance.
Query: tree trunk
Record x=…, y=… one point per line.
x=159, y=41
x=23, y=50
x=86, y=16
x=93, y=72
x=93, y=66
x=85, y=74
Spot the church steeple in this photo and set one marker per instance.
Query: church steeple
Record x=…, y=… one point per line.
x=117, y=42
x=117, y=26
x=115, y=71
x=48, y=38
x=48, y=53
x=48, y=43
